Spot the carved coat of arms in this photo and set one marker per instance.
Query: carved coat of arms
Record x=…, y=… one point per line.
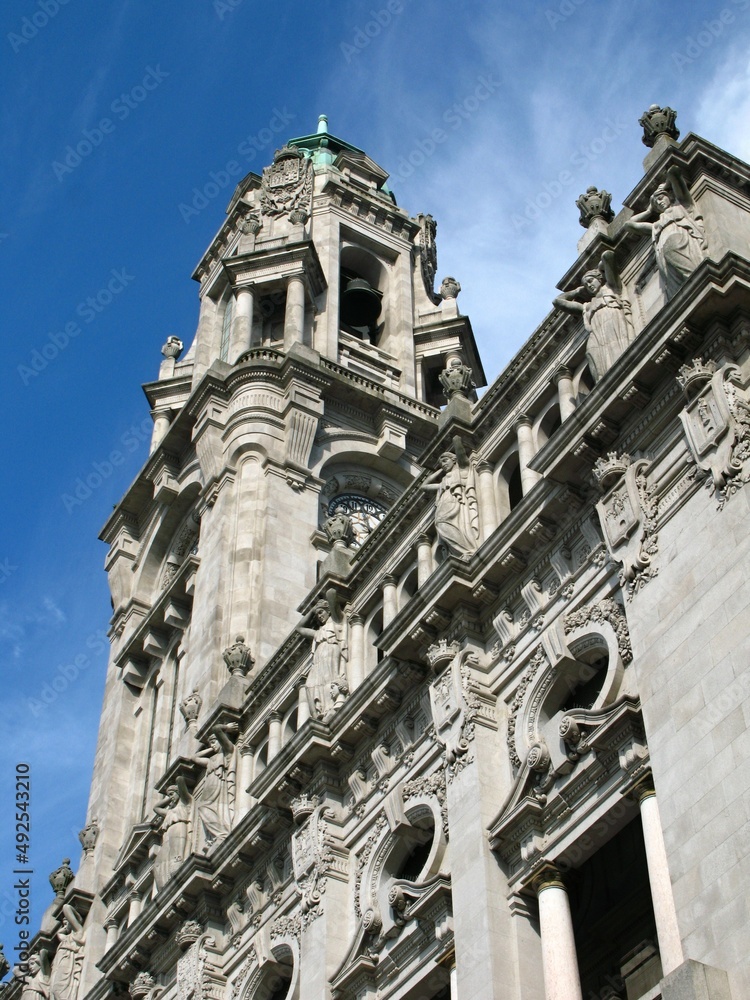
x=287, y=184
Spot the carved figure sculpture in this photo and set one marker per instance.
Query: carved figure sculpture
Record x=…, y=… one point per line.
x=678, y=235
x=607, y=317
x=326, y=684
x=36, y=981
x=456, y=511
x=66, y=968
x=215, y=802
x=175, y=808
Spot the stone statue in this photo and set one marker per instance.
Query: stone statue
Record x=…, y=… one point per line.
x=326, y=684
x=456, y=511
x=36, y=980
x=66, y=967
x=607, y=317
x=678, y=235
x=215, y=801
x=175, y=808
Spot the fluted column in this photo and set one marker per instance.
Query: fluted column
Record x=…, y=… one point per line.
x=526, y=453
x=390, y=605
x=424, y=559
x=486, y=496
x=559, y=960
x=665, y=915
x=161, y=426
x=274, y=735
x=356, y=651
x=242, y=329
x=565, y=397
x=294, y=315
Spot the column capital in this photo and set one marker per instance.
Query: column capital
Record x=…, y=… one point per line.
x=389, y=580
x=562, y=372
x=642, y=789
x=424, y=539
x=354, y=618
x=548, y=876
x=483, y=465
x=274, y=717
x=522, y=420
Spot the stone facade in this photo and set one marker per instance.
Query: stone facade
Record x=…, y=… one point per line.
x=416, y=695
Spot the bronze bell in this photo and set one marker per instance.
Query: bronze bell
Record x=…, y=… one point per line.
x=360, y=304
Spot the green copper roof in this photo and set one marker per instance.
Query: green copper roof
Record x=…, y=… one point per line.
x=322, y=145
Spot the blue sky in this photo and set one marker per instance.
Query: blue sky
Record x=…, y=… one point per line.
x=113, y=115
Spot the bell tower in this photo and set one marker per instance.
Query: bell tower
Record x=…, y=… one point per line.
x=282, y=436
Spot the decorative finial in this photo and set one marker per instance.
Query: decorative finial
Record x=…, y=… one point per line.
x=594, y=204
x=658, y=121
x=61, y=878
x=238, y=658
x=172, y=348
x=322, y=124
x=456, y=377
x=88, y=836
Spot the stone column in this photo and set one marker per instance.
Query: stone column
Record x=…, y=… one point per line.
x=424, y=559
x=294, y=315
x=667, y=931
x=390, y=606
x=303, y=705
x=111, y=931
x=566, y=399
x=242, y=330
x=135, y=905
x=559, y=961
x=356, y=651
x=526, y=452
x=245, y=776
x=274, y=735
x=161, y=426
x=487, y=507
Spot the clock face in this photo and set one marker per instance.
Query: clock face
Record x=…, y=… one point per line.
x=366, y=514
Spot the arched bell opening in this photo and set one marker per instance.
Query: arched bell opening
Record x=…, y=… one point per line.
x=362, y=284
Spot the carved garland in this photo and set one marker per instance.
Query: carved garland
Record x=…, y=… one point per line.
x=537, y=660
x=362, y=858
x=608, y=611
x=429, y=785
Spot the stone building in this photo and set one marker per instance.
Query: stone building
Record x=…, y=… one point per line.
x=415, y=695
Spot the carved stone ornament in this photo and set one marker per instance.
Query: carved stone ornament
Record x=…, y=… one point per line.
x=456, y=378
x=173, y=348
x=4, y=963
x=287, y=184
x=311, y=861
x=454, y=708
x=302, y=807
x=428, y=252
x=188, y=934
x=238, y=658
x=198, y=978
x=609, y=611
x=717, y=426
x=338, y=527
x=61, y=878
x=628, y=518
x=658, y=121
x=142, y=986
x=190, y=707
x=450, y=288
x=440, y=653
x=594, y=204
x=88, y=836
x=250, y=224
